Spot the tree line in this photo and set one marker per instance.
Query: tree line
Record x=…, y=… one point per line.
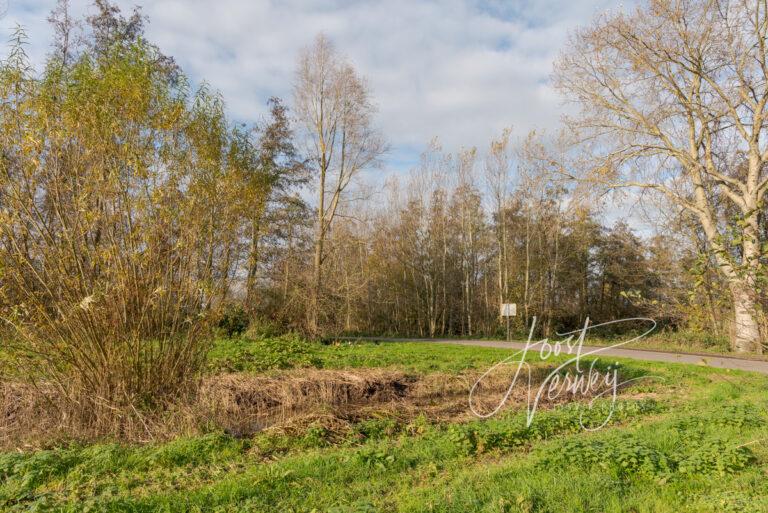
x=671, y=101
x=436, y=252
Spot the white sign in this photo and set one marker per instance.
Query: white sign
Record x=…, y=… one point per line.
x=508, y=309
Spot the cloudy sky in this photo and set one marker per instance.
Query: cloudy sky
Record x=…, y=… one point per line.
x=459, y=70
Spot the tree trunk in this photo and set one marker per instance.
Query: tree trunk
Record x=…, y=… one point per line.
x=745, y=333
x=317, y=268
x=253, y=262
x=527, y=267
x=317, y=281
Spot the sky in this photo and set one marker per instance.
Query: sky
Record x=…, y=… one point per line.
x=458, y=70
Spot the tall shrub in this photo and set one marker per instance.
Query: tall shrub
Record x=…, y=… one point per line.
x=100, y=263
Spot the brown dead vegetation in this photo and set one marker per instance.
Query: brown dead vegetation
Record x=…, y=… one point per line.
x=243, y=404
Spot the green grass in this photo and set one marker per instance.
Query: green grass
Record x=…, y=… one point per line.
x=680, y=342
x=259, y=355
x=670, y=341
x=691, y=441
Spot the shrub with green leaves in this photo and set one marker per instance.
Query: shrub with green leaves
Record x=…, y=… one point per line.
x=233, y=321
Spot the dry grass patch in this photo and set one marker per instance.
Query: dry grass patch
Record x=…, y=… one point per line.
x=245, y=404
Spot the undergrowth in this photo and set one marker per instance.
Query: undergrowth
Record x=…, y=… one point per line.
x=262, y=354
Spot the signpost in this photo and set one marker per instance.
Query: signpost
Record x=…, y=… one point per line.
x=508, y=310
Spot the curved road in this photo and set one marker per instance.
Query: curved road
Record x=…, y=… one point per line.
x=707, y=360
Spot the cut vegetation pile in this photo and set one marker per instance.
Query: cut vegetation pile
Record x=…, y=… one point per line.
x=243, y=404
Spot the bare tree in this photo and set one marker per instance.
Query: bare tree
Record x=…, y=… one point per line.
x=674, y=97
x=333, y=103
x=497, y=179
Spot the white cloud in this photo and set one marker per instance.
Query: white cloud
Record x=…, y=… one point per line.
x=457, y=69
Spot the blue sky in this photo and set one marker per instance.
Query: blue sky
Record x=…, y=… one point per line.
x=459, y=70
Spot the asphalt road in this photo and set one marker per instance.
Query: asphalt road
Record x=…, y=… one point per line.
x=707, y=360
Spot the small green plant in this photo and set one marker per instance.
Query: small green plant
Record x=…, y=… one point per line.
x=375, y=429
x=378, y=458
x=418, y=426
x=464, y=438
x=315, y=436
x=508, y=434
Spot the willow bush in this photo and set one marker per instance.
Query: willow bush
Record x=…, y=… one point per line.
x=107, y=163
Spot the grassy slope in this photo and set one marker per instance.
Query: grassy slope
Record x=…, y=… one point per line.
x=678, y=453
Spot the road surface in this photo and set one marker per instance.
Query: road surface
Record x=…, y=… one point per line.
x=707, y=360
